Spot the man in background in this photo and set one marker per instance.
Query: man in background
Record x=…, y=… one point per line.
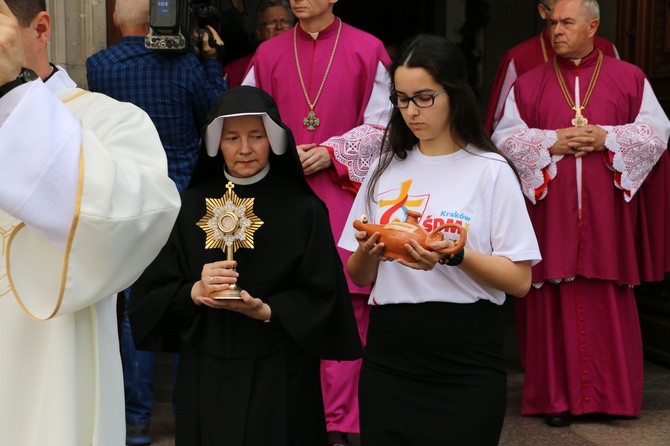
x=274, y=17
x=85, y=205
x=176, y=89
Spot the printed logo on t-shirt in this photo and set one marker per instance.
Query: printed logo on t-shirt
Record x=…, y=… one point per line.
x=394, y=204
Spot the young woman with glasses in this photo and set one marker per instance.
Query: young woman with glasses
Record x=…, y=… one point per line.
x=433, y=366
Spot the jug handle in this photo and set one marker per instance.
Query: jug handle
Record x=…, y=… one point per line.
x=461, y=241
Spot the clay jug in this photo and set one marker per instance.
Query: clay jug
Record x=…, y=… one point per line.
x=397, y=234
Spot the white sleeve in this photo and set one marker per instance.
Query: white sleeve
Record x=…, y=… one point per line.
x=124, y=206
x=510, y=122
x=508, y=82
x=527, y=148
x=40, y=142
x=378, y=110
x=250, y=78
x=638, y=146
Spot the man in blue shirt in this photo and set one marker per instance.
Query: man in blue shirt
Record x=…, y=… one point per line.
x=176, y=90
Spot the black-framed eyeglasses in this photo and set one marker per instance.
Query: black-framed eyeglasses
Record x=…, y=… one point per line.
x=422, y=100
x=277, y=23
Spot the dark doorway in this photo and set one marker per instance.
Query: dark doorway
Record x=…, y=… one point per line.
x=392, y=21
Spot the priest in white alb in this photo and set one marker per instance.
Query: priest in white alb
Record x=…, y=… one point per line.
x=85, y=205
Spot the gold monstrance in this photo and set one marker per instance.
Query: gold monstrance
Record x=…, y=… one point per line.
x=230, y=224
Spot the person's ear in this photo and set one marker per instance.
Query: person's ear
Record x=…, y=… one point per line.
x=42, y=25
x=593, y=27
x=542, y=11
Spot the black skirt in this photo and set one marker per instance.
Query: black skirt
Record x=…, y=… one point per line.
x=274, y=399
x=433, y=374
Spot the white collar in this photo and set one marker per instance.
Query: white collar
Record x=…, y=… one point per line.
x=248, y=180
x=60, y=81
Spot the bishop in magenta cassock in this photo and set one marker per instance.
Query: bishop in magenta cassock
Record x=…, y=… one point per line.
x=587, y=133
x=515, y=62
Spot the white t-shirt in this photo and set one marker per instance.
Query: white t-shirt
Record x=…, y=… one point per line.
x=475, y=189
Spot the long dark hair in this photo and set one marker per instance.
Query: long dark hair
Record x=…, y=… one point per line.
x=446, y=64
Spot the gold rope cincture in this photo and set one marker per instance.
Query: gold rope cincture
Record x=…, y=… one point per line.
x=579, y=119
x=311, y=121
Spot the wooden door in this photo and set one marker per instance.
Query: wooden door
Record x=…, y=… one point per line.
x=113, y=33
x=643, y=38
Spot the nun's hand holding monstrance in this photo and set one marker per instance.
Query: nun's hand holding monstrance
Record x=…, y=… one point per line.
x=230, y=224
x=217, y=276
x=246, y=305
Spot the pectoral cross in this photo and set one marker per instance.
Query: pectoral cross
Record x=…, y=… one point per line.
x=311, y=121
x=579, y=119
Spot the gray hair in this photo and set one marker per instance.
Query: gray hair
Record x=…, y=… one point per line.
x=593, y=7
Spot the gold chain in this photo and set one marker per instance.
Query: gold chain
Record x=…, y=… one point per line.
x=579, y=119
x=311, y=121
x=592, y=84
x=544, y=47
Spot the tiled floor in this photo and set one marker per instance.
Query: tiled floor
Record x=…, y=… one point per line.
x=651, y=429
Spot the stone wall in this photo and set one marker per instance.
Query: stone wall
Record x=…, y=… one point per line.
x=79, y=29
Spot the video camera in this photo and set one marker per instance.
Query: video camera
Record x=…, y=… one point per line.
x=178, y=25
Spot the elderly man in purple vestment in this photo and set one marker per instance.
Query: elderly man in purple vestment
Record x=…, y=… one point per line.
x=587, y=133
x=331, y=84
x=518, y=60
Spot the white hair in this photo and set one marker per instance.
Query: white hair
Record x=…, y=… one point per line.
x=593, y=7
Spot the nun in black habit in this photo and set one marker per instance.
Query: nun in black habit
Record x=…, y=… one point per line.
x=249, y=368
